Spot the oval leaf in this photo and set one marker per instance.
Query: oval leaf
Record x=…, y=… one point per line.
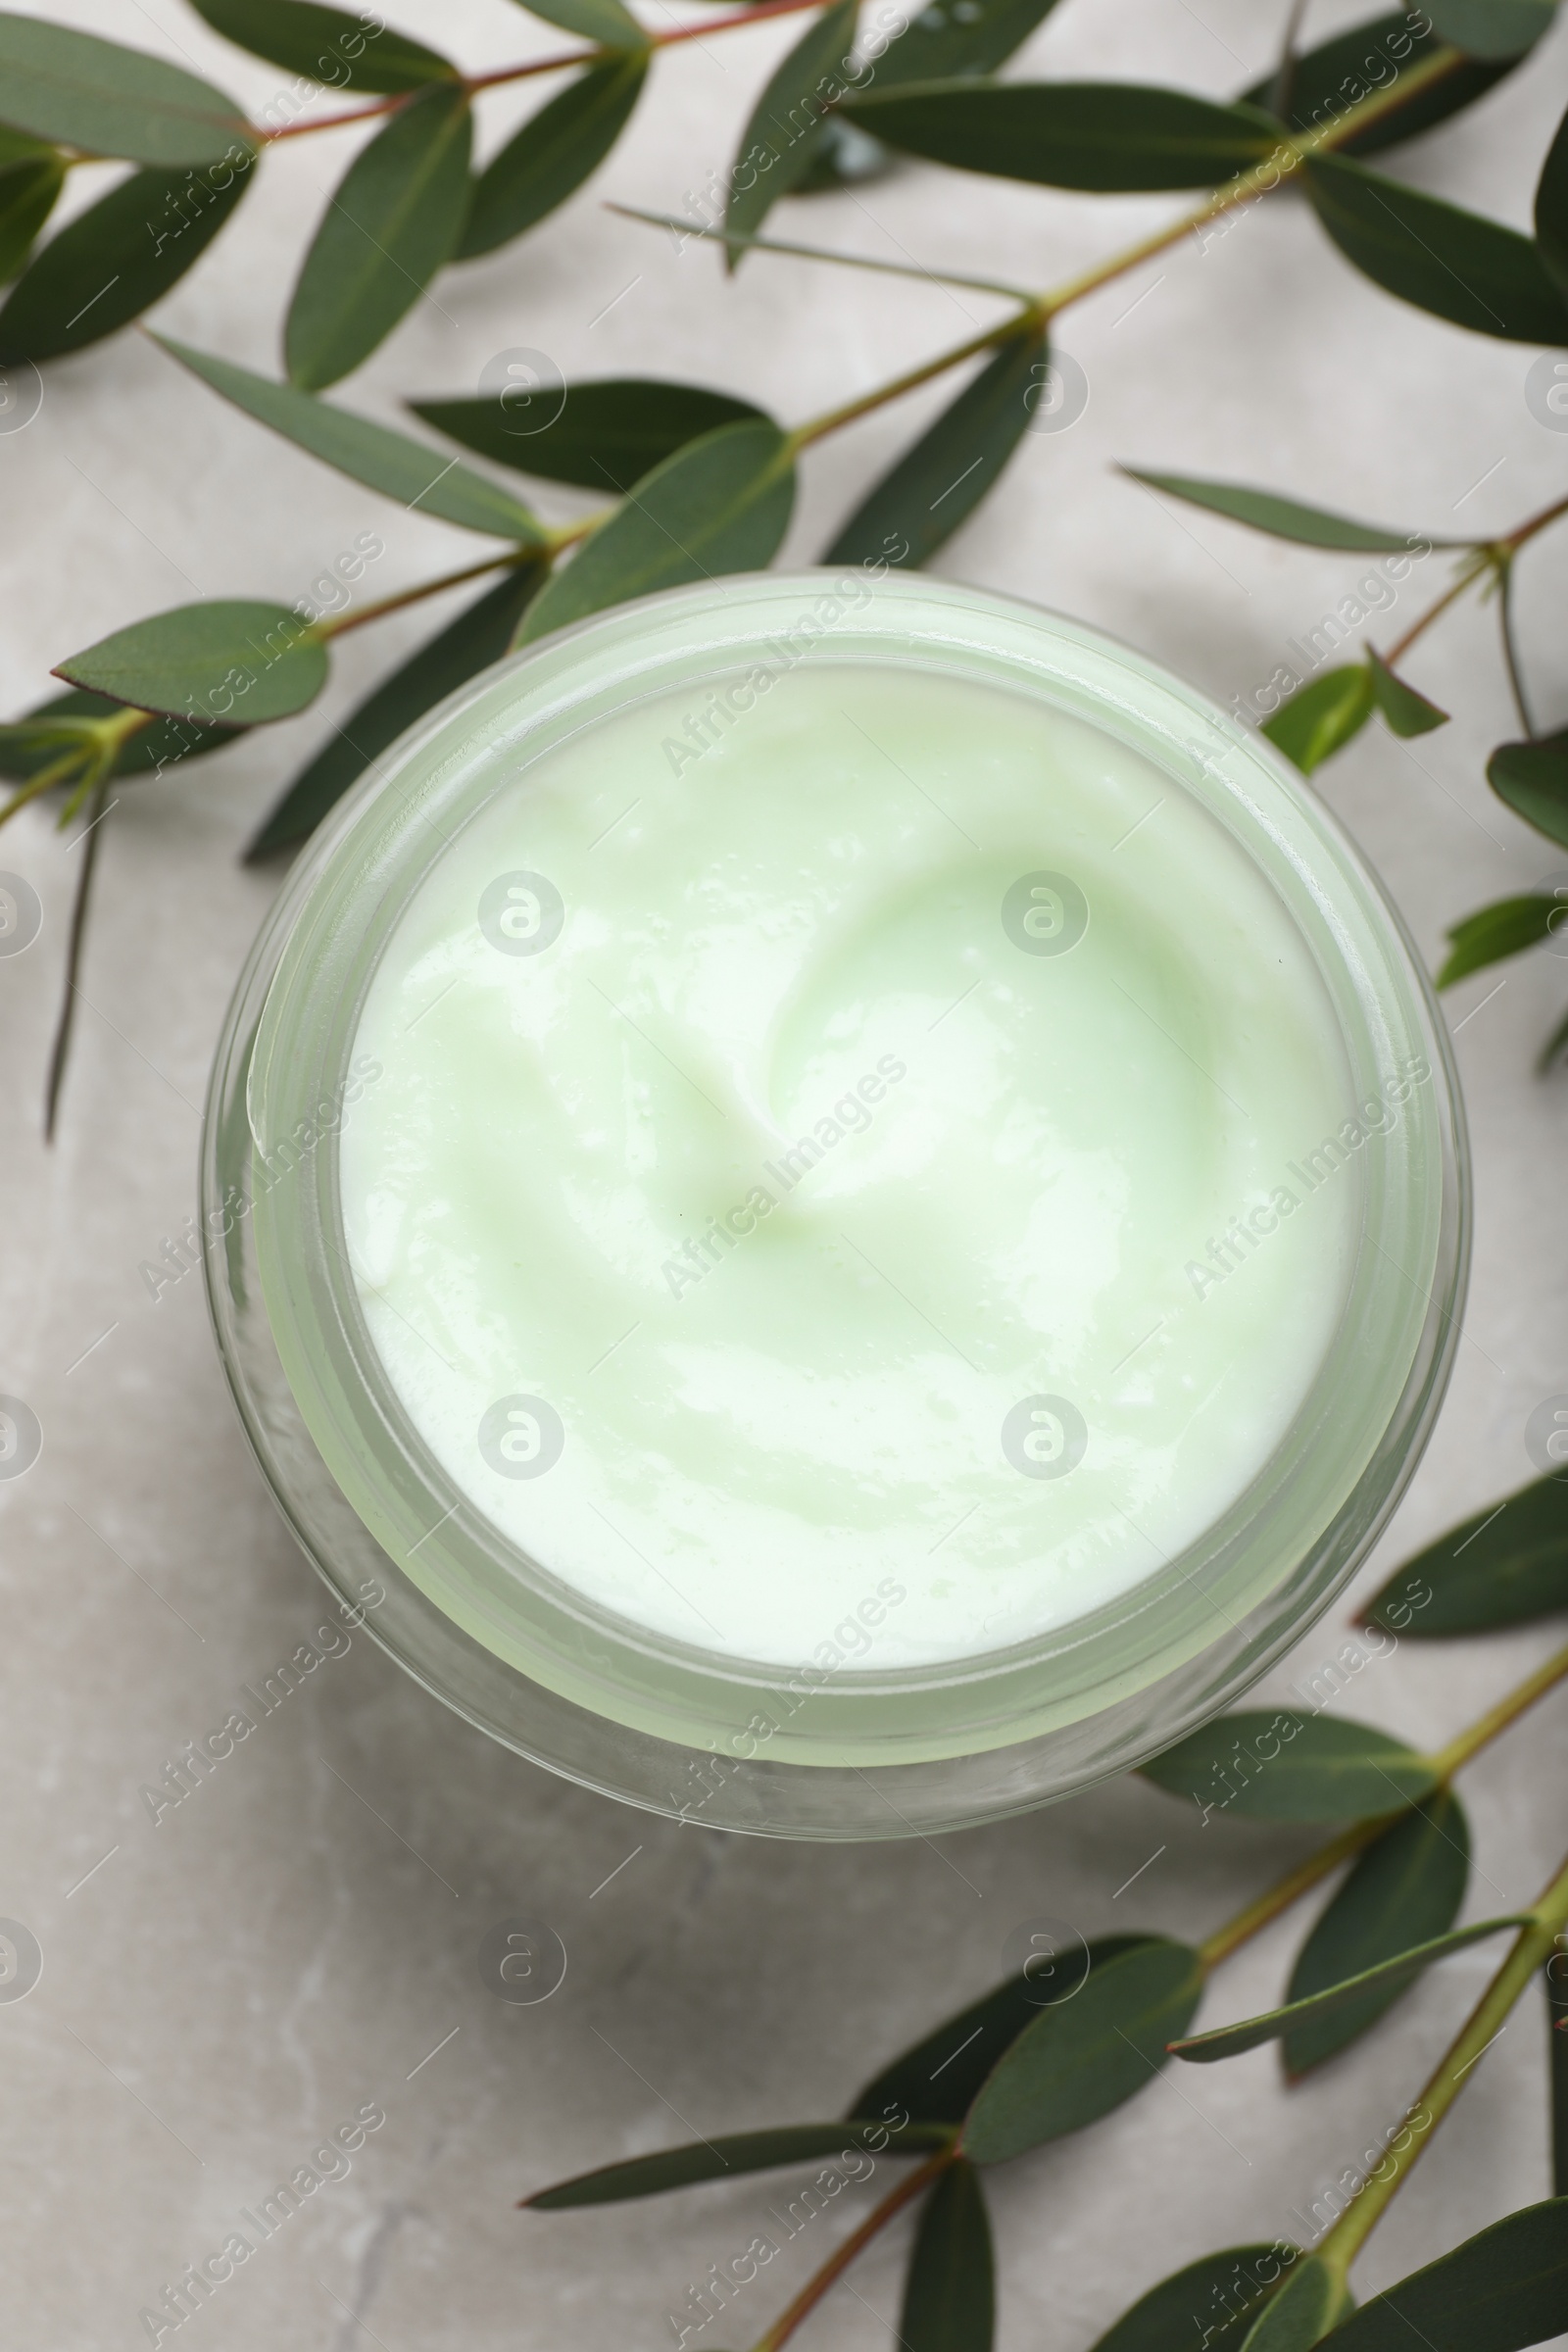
x=149, y=752
x=1282, y=518
x=92, y=94
x=604, y=435
x=26, y=200
x=1403, y=711
x=950, y=2295
x=1497, y=2292
x=606, y=22
x=1505, y=928
x=116, y=260
x=552, y=155
x=372, y=454
x=477, y=637
x=396, y=217
x=1078, y=2061
x=941, y=479
x=1303, y=2312
x=1552, y=206
x=725, y=2159
x=722, y=504
x=1491, y=28
x=1404, y=1890
x=1104, y=137
x=1458, y=264
x=1289, y=1767
x=1505, y=1566
x=1322, y=717
x=1390, y=1976
x=1212, y=2302
x=1533, y=778
x=779, y=140
x=358, y=53
x=223, y=660
x=1328, y=79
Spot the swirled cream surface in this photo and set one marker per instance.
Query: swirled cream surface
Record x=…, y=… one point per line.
x=840, y=1184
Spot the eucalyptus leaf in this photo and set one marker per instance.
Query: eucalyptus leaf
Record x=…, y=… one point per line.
x=727, y=2158
x=1532, y=779
x=936, y=2080
x=1282, y=518
x=1321, y=719
x=1491, y=28
x=1500, y=2291
x=1455, y=265
x=1504, y=928
x=27, y=199
x=1388, y=1975
x=417, y=476
x=950, y=2295
x=953, y=37
x=551, y=156
x=1308, y=2302
x=1212, y=2303
x=1552, y=206
x=108, y=100
x=1292, y=1767
x=1507, y=1565
x=606, y=22
x=1556, y=1044
x=229, y=659
x=480, y=635
x=1554, y=1977
x=1402, y=708
x=396, y=217
x=1103, y=136
x=722, y=503
x=149, y=752
x=779, y=140
x=938, y=483
x=1082, y=2058
x=1326, y=82
x=604, y=434
x=357, y=53
x=117, y=258
x=1405, y=1888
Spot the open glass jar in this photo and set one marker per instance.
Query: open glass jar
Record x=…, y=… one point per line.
x=837, y=1204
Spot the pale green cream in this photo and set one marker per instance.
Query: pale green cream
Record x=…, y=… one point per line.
x=782, y=1387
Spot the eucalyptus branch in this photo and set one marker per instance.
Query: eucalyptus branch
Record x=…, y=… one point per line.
x=837, y=2263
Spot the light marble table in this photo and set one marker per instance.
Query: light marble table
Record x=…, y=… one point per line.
x=221, y=1989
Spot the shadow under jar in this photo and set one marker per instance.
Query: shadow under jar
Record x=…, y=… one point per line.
x=836, y=1205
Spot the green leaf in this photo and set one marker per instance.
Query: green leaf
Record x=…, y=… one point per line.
x=606, y=22
x=326, y=45
x=372, y=454
x=779, y=140
x=1497, y=2292
x=722, y=503
x=1403, y=710
x=1079, y=2060
x=936, y=2079
x=950, y=2295
x=1104, y=137
x=1212, y=2302
x=31, y=743
x=726, y=2159
x=1282, y=518
x=1556, y=1044
x=554, y=153
x=116, y=260
x=606, y=435
x=1390, y=1976
x=954, y=38
x=1306, y=2306
x=1285, y=1766
x=1457, y=265
x=480, y=635
x=92, y=94
x=1533, y=778
x=939, y=483
x=1491, y=28
x=1404, y=1890
x=27, y=199
x=1506, y=1566
x=1334, y=77
x=396, y=217
x=253, y=661
x=1322, y=717
x=1504, y=928
x=1554, y=1977
x=1551, y=207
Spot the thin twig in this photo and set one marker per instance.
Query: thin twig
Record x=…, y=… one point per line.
x=73, y=946
x=1510, y=649
x=838, y=2263
x=1284, y=77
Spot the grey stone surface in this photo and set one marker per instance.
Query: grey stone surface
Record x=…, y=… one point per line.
x=299, y=1939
